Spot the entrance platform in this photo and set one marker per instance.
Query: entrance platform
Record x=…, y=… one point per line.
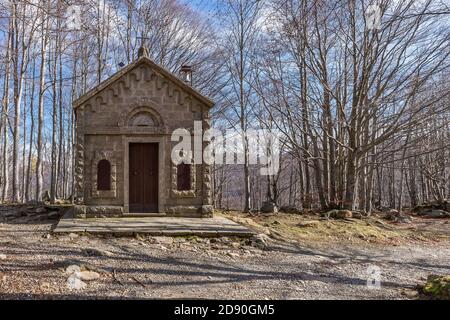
x=157, y=226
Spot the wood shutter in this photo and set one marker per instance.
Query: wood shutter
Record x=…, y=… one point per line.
x=184, y=177
x=103, y=175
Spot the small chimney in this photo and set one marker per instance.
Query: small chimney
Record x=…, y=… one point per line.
x=143, y=51
x=186, y=74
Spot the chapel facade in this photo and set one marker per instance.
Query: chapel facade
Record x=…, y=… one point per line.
x=123, y=164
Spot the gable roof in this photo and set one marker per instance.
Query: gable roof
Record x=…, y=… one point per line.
x=141, y=60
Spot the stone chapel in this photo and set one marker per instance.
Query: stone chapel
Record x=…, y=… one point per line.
x=123, y=146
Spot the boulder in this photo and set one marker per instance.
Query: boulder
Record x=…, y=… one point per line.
x=73, y=268
x=290, y=209
x=73, y=236
x=437, y=205
x=207, y=211
x=97, y=252
x=410, y=293
x=260, y=241
x=163, y=240
x=434, y=214
x=53, y=215
x=392, y=215
x=403, y=219
x=310, y=223
x=40, y=210
x=358, y=215
x=75, y=283
x=269, y=207
x=233, y=254
x=343, y=214
x=88, y=275
x=338, y=214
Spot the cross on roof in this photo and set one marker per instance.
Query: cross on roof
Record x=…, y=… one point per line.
x=142, y=38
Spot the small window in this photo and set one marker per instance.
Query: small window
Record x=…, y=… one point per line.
x=104, y=175
x=184, y=177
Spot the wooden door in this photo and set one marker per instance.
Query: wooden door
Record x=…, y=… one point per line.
x=143, y=176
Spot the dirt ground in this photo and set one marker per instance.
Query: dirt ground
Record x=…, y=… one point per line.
x=334, y=262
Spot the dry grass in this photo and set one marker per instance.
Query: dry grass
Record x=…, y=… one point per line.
x=312, y=228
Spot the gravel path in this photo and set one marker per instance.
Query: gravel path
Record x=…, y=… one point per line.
x=33, y=263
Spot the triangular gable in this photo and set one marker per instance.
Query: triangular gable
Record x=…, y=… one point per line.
x=142, y=60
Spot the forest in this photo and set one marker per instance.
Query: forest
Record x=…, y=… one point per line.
x=360, y=98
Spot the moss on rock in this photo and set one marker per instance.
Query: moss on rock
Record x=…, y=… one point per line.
x=437, y=287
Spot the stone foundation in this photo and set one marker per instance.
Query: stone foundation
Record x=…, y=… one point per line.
x=85, y=211
x=81, y=211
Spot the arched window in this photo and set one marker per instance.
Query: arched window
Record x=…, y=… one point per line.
x=103, y=175
x=183, y=177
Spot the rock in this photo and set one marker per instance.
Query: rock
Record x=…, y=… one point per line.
x=343, y=214
x=310, y=223
x=269, y=207
x=260, y=241
x=233, y=254
x=88, y=275
x=140, y=237
x=338, y=214
x=437, y=286
x=357, y=215
x=236, y=245
x=224, y=240
x=207, y=211
x=53, y=214
x=40, y=210
x=75, y=283
x=47, y=236
x=437, y=205
x=162, y=247
x=73, y=235
x=163, y=240
x=2, y=256
x=10, y=214
x=410, y=294
x=97, y=252
x=73, y=269
x=404, y=219
x=391, y=215
x=290, y=209
x=434, y=214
